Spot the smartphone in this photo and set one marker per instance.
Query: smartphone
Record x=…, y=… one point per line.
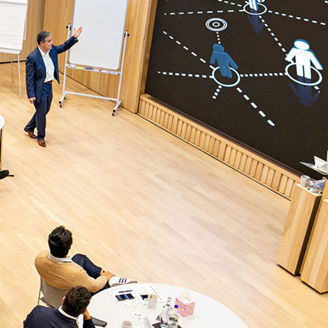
x=98, y=322
x=124, y=297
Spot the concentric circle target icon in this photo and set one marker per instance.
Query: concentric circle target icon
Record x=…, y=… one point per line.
x=216, y=24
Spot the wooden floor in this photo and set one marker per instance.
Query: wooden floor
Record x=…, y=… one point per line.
x=144, y=204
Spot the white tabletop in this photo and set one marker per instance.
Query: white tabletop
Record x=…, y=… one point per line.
x=207, y=312
x=2, y=122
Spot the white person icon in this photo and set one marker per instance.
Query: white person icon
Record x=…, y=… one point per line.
x=304, y=58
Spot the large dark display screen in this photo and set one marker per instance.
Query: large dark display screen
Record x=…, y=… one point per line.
x=253, y=70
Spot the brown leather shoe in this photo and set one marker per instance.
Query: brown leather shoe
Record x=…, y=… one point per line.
x=42, y=143
x=30, y=134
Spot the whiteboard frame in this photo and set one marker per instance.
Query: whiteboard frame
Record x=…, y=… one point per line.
x=17, y=51
x=121, y=44
x=120, y=73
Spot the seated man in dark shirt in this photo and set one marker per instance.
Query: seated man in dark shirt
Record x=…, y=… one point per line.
x=74, y=303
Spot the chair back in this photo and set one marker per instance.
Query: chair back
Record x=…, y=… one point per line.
x=51, y=295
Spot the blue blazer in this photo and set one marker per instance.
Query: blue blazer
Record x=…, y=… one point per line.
x=36, y=70
x=46, y=317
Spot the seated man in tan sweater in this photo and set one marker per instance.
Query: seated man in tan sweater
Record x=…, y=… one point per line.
x=62, y=272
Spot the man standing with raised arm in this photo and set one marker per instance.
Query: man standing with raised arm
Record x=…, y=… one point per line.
x=41, y=70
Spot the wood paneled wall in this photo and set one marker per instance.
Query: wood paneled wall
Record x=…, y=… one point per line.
x=58, y=14
x=34, y=26
x=241, y=159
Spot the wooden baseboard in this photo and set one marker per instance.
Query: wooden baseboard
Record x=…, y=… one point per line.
x=243, y=160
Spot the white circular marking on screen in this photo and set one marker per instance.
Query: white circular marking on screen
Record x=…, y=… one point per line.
x=265, y=9
x=300, y=82
x=223, y=84
x=216, y=24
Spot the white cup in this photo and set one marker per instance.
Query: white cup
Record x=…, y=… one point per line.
x=127, y=324
x=304, y=180
x=152, y=301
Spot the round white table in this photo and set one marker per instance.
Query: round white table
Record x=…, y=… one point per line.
x=207, y=312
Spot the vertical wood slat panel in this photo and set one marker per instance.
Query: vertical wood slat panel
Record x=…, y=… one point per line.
x=276, y=180
x=235, y=156
x=216, y=148
x=232, y=157
x=264, y=174
x=243, y=163
x=269, y=179
x=258, y=172
x=237, y=160
x=201, y=140
x=158, y=116
x=289, y=187
x=211, y=145
x=283, y=184
x=222, y=151
x=188, y=133
x=166, y=120
x=227, y=154
x=142, y=108
x=197, y=137
x=248, y=165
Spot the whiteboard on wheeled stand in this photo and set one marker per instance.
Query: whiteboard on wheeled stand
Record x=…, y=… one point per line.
x=12, y=25
x=100, y=43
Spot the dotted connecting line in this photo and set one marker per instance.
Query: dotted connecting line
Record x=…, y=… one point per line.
x=272, y=34
x=202, y=76
x=217, y=91
x=231, y=3
x=190, y=75
x=254, y=106
x=316, y=87
x=201, y=12
x=261, y=75
x=184, y=47
x=218, y=36
x=298, y=17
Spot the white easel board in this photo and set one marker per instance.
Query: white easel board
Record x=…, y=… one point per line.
x=100, y=43
x=12, y=25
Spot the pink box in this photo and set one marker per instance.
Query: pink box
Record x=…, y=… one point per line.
x=185, y=306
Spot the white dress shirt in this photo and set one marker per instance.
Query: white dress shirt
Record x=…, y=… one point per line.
x=60, y=309
x=50, y=68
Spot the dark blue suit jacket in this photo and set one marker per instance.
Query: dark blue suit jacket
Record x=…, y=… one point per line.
x=46, y=317
x=36, y=70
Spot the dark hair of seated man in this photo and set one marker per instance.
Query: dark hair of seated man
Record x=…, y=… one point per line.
x=76, y=301
x=60, y=241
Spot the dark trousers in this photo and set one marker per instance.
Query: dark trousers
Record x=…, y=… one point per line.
x=91, y=269
x=42, y=108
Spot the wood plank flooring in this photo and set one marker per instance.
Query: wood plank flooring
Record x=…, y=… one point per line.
x=143, y=204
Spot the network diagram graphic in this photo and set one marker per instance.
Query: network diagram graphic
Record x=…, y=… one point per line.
x=302, y=66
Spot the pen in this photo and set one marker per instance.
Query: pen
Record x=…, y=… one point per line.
x=125, y=291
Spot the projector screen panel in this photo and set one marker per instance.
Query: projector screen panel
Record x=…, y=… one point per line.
x=255, y=71
x=100, y=44
x=12, y=25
